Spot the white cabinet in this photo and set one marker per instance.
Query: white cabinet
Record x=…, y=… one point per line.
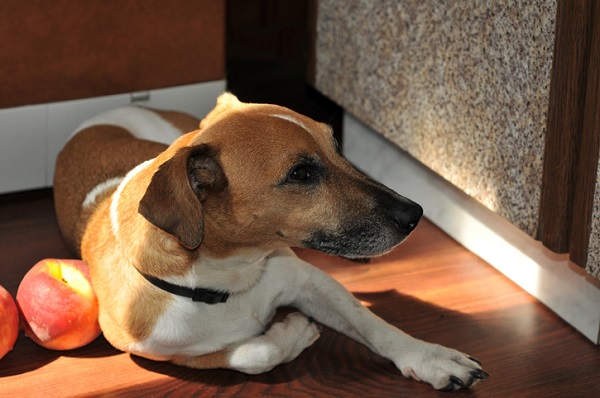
x=23, y=142
x=32, y=136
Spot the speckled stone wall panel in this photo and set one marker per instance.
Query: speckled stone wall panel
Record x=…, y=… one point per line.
x=460, y=85
x=593, y=261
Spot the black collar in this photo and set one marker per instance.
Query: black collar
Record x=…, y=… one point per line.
x=199, y=294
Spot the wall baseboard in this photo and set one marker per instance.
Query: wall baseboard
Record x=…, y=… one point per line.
x=563, y=287
x=32, y=136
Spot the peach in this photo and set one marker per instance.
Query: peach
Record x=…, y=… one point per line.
x=59, y=309
x=9, y=322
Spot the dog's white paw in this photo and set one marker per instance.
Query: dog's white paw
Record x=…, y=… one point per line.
x=283, y=342
x=443, y=368
x=302, y=331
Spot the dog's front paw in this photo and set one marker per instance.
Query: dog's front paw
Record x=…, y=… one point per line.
x=444, y=368
x=284, y=341
x=296, y=332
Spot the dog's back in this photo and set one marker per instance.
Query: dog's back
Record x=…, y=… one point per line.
x=101, y=152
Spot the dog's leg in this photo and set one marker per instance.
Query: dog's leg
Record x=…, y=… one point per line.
x=328, y=302
x=283, y=342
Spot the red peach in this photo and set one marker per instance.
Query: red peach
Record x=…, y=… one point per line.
x=59, y=309
x=9, y=322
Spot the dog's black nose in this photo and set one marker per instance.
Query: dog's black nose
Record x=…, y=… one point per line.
x=408, y=215
x=402, y=213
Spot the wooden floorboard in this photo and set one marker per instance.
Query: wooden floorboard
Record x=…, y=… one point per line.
x=430, y=286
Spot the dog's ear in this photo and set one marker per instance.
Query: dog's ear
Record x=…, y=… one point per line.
x=173, y=200
x=225, y=103
x=228, y=100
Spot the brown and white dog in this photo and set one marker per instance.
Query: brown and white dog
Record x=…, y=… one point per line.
x=189, y=245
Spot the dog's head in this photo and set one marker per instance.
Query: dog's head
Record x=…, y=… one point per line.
x=263, y=176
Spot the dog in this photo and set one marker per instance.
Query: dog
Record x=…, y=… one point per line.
x=188, y=244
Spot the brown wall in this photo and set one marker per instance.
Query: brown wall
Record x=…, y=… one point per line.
x=60, y=50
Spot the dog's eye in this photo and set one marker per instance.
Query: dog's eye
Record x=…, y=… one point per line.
x=307, y=172
x=300, y=173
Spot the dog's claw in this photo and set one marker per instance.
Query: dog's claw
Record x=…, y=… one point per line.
x=457, y=381
x=477, y=361
x=479, y=374
x=469, y=383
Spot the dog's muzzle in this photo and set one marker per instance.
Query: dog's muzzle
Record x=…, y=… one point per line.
x=372, y=233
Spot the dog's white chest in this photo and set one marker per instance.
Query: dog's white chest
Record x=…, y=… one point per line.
x=198, y=328
x=193, y=328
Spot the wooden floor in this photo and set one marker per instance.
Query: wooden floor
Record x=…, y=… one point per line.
x=431, y=287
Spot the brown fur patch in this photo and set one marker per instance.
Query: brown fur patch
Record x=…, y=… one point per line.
x=91, y=157
x=129, y=308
